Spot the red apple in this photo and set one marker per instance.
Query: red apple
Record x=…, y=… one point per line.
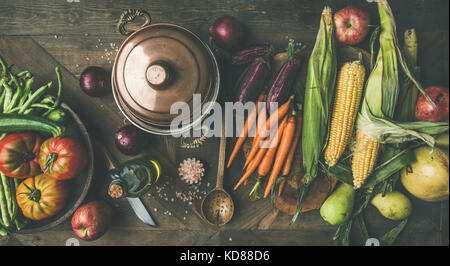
x=352, y=25
x=92, y=220
x=426, y=112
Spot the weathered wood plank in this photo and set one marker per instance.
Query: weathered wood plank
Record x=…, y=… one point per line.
x=73, y=33
x=60, y=17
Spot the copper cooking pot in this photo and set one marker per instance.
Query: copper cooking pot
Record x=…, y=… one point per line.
x=158, y=65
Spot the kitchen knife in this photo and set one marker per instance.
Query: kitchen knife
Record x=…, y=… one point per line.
x=141, y=212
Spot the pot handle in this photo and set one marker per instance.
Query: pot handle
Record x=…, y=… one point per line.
x=130, y=15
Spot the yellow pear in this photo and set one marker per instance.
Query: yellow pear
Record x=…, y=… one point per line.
x=394, y=205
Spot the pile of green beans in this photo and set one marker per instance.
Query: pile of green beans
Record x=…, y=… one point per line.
x=18, y=97
x=11, y=218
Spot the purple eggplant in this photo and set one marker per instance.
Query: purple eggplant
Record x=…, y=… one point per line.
x=252, y=82
x=283, y=81
x=248, y=55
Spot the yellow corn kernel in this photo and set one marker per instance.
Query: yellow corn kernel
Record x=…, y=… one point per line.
x=349, y=90
x=364, y=158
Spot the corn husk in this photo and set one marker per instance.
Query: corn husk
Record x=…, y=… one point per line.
x=382, y=91
x=408, y=93
x=319, y=90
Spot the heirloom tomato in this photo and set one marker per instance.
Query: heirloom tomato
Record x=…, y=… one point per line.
x=41, y=197
x=19, y=155
x=62, y=158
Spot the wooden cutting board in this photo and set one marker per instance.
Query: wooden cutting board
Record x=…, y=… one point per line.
x=287, y=201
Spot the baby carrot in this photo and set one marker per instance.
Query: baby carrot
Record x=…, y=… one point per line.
x=255, y=163
x=277, y=115
x=288, y=163
x=248, y=123
x=255, y=145
x=283, y=149
x=266, y=163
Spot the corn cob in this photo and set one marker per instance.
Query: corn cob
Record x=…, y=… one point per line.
x=364, y=158
x=349, y=89
x=380, y=98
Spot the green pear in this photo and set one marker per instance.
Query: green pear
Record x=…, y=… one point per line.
x=394, y=205
x=339, y=205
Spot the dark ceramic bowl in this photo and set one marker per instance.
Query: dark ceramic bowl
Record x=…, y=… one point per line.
x=78, y=186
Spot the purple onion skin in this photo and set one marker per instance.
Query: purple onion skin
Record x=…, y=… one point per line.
x=95, y=81
x=249, y=54
x=281, y=86
x=250, y=86
x=130, y=140
x=227, y=32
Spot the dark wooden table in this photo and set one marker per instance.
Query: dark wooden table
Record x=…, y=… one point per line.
x=77, y=34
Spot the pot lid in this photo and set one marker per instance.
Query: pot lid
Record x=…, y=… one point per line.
x=159, y=65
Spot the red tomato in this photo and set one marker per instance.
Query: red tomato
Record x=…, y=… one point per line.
x=62, y=158
x=19, y=155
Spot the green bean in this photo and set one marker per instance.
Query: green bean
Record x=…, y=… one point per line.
x=25, y=73
x=4, y=67
x=58, y=95
x=33, y=106
x=4, y=208
x=49, y=99
x=34, y=97
x=40, y=105
x=17, y=93
x=26, y=91
x=19, y=219
x=8, y=96
x=2, y=98
x=15, y=213
x=28, y=111
x=3, y=231
x=7, y=191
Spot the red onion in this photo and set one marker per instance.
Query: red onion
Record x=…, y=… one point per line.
x=95, y=81
x=130, y=140
x=227, y=32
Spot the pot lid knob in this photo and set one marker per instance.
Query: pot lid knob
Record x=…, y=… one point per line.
x=159, y=75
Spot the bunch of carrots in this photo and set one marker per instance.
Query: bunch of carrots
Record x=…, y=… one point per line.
x=277, y=157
